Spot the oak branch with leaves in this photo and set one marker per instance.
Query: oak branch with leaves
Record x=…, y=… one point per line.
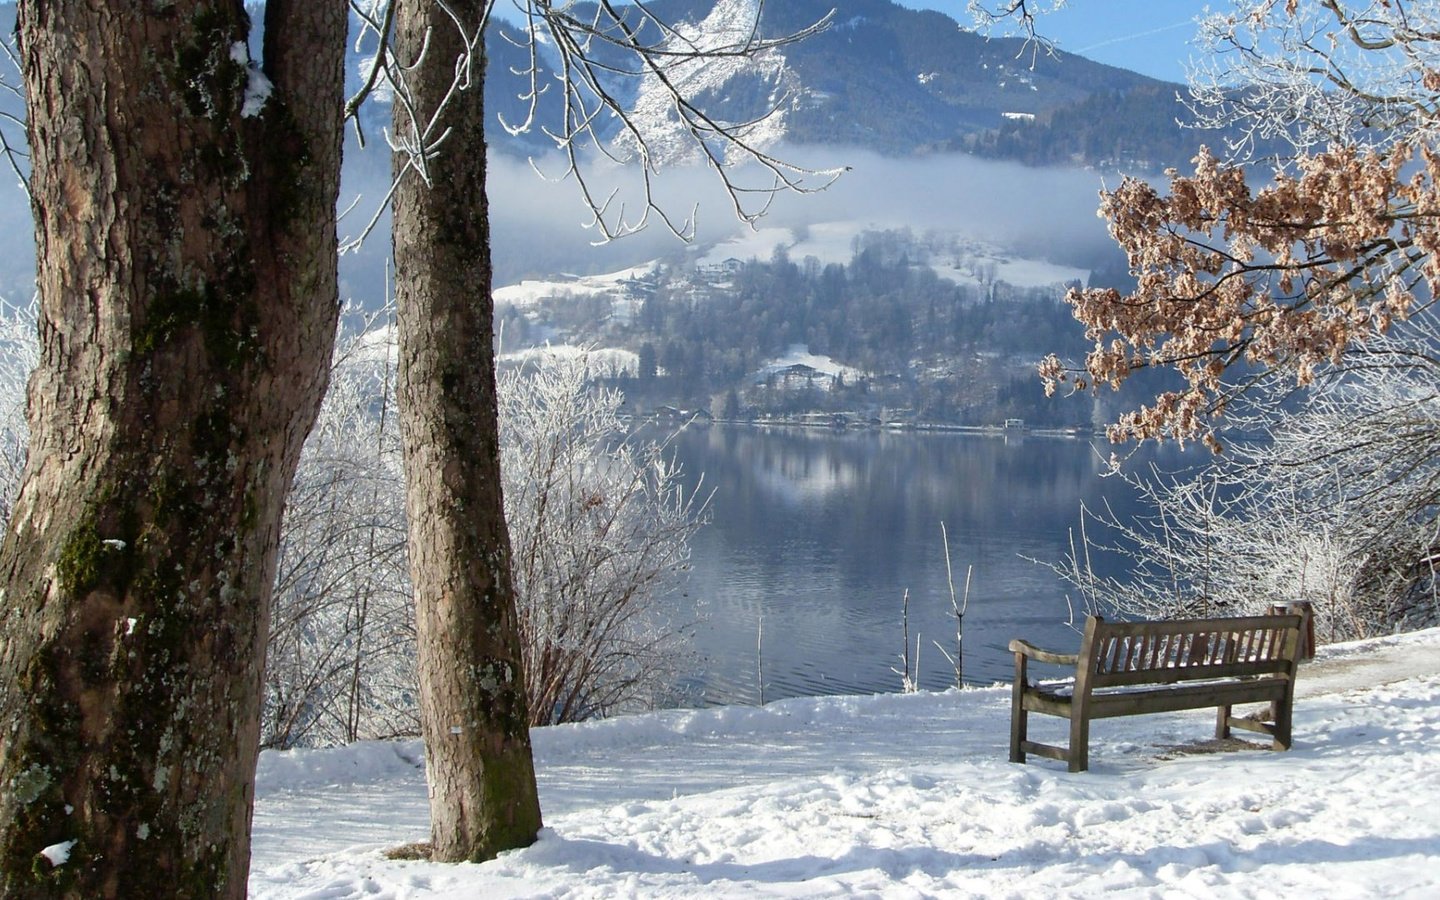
x=1236, y=285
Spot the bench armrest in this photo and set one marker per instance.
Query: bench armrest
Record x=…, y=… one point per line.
x=1033, y=652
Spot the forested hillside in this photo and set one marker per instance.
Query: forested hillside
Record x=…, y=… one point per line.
x=883, y=337
x=1138, y=129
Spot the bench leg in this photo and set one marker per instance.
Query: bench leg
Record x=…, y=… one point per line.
x=1019, y=722
x=1019, y=715
x=1222, y=723
x=1283, y=710
x=1079, y=754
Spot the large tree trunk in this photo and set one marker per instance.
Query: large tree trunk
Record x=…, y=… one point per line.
x=188, y=302
x=472, y=691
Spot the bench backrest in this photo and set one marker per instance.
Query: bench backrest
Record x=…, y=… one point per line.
x=1169, y=651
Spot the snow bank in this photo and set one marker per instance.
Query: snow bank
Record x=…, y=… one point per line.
x=297, y=770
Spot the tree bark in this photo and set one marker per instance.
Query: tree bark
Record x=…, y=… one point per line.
x=472, y=689
x=186, y=269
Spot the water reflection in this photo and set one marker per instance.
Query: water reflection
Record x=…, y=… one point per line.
x=819, y=533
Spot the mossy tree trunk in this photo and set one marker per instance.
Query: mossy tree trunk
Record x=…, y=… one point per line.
x=186, y=269
x=472, y=690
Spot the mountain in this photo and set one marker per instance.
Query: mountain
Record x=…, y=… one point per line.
x=882, y=77
x=907, y=82
x=935, y=275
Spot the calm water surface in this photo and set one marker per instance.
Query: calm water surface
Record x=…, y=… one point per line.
x=816, y=536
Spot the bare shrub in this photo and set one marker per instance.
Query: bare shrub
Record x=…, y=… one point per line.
x=1337, y=503
x=340, y=663
x=599, y=523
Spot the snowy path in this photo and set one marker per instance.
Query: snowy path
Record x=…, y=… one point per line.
x=1370, y=663
x=912, y=796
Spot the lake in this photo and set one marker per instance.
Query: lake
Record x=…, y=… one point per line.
x=817, y=534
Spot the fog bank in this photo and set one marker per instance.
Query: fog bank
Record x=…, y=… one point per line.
x=537, y=223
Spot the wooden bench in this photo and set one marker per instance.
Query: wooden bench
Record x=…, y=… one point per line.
x=1133, y=668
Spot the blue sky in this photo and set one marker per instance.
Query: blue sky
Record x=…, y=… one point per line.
x=1147, y=36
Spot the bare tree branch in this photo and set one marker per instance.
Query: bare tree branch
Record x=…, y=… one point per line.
x=991, y=14
x=578, y=61
x=12, y=127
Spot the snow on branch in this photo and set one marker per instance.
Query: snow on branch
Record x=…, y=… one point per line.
x=1319, y=74
x=988, y=14
x=1335, y=500
x=592, y=57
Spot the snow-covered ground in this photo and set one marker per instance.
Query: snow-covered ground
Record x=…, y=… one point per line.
x=1017, y=272
x=759, y=243
x=828, y=242
x=800, y=355
x=911, y=796
x=529, y=294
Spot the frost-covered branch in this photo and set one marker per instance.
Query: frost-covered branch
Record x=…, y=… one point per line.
x=587, y=58
x=992, y=13
x=1302, y=310
x=19, y=353
x=675, y=65
x=1337, y=503
x=989, y=15
x=1236, y=286
x=599, y=526
x=12, y=110
x=599, y=523
x=341, y=659
x=1319, y=73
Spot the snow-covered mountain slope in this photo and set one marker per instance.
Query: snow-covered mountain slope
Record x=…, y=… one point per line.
x=751, y=95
